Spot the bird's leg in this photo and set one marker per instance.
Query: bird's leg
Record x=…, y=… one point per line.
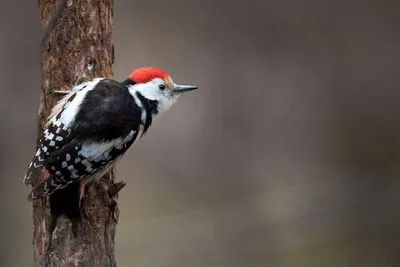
x=44, y=174
x=82, y=185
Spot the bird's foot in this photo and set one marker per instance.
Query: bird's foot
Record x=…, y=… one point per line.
x=82, y=185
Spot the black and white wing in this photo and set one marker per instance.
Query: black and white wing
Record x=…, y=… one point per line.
x=87, y=131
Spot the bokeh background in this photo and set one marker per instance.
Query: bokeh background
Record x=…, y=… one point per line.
x=289, y=155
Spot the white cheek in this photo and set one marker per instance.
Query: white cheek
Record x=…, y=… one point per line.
x=152, y=93
x=166, y=103
x=148, y=90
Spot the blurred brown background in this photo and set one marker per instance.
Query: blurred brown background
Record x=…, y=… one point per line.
x=289, y=155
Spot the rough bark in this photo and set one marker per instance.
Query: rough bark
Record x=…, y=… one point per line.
x=76, y=46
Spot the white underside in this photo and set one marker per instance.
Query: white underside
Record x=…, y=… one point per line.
x=95, y=151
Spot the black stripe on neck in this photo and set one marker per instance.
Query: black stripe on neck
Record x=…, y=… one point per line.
x=150, y=107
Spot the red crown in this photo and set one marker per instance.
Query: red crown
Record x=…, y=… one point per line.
x=146, y=74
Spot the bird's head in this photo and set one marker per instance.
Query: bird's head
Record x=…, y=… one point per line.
x=155, y=84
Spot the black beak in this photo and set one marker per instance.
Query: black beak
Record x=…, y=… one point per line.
x=184, y=88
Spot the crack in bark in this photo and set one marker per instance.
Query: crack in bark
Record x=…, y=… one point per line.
x=53, y=20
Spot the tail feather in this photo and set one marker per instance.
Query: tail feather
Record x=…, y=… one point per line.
x=48, y=187
x=34, y=169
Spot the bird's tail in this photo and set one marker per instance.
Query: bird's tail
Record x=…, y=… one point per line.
x=35, y=168
x=48, y=187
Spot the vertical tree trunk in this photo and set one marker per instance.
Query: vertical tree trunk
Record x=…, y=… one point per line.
x=76, y=45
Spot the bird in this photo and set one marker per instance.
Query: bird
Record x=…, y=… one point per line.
x=92, y=127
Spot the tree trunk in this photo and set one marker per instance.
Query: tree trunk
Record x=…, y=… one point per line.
x=76, y=46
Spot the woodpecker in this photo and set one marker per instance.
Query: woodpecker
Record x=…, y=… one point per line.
x=92, y=127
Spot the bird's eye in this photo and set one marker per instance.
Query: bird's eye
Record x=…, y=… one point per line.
x=162, y=86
